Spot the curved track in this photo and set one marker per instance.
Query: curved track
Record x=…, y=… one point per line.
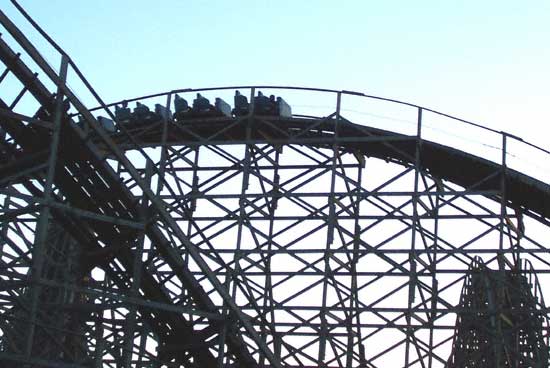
x=447, y=163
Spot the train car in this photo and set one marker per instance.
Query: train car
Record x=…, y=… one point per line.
x=141, y=111
x=242, y=107
x=180, y=104
x=283, y=109
x=181, y=107
x=201, y=105
x=107, y=124
x=143, y=115
x=123, y=114
x=223, y=107
x=163, y=112
x=201, y=108
x=264, y=105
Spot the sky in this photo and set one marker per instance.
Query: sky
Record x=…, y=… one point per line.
x=485, y=61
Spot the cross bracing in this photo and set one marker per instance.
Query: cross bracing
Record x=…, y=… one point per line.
x=246, y=240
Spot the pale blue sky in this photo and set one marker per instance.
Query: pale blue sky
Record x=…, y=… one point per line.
x=487, y=61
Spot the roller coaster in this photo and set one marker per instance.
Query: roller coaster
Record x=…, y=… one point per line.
x=169, y=231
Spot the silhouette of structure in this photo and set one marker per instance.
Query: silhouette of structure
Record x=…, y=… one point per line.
x=201, y=235
x=501, y=323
